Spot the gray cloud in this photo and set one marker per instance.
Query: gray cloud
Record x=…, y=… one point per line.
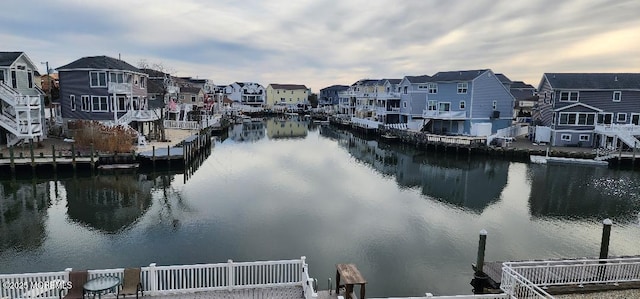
x=319, y=43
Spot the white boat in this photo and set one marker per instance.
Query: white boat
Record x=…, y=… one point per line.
x=562, y=160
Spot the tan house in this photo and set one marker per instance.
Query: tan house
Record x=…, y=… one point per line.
x=287, y=94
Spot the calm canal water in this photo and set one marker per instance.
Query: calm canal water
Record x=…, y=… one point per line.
x=284, y=189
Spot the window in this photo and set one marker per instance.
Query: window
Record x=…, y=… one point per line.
x=423, y=86
x=120, y=104
x=568, y=96
x=99, y=104
x=30, y=79
x=116, y=77
x=494, y=105
x=605, y=118
x=622, y=117
x=14, y=80
x=462, y=87
x=405, y=90
x=635, y=119
x=565, y=137
x=584, y=137
x=404, y=104
x=193, y=98
x=444, y=106
x=432, y=106
x=574, y=118
x=72, y=102
x=617, y=96
x=143, y=82
x=86, y=103
x=433, y=88
x=1, y=76
x=98, y=79
x=462, y=105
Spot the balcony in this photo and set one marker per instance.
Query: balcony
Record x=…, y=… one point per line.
x=119, y=87
x=617, y=129
x=388, y=95
x=444, y=114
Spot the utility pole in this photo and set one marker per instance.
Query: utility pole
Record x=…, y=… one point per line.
x=49, y=85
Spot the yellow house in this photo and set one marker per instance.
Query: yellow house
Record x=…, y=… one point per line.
x=286, y=128
x=287, y=94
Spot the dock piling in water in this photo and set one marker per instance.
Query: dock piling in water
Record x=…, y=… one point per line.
x=606, y=236
x=482, y=244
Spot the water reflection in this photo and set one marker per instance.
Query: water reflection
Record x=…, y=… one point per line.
x=108, y=203
x=469, y=183
x=248, y=131
x=583, y=192
x=23, y=212
x=286, y=127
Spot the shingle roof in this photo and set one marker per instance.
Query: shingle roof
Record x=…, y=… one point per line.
x=418, y=79
x=338, y=87
x=457, y=75
x=190, y=89
x=392, y=81
x=288, y=86
x=594, y=80
x=520, y=84
x=7, y=58
x=100, y=63
x=522, y=94
x=503, y=78
x=154, y=73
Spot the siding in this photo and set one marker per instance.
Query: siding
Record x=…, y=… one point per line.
x=77, y=83
x=575, y=141
x=543, y=112
x=448, y=92
x=485, y=89
x=603, y=99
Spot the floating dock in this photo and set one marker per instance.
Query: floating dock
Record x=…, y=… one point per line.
x=561, y=160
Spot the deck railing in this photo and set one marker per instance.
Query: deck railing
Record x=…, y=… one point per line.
x=578, y=272
x=166, y=280
x=516, y=285
x=183, y=125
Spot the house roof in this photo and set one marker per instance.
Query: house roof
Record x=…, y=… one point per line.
x=366, y=82
x=593, y=80
x=503, y=78
x=153, y=73
x=7, y=58
x=418, y=79
x=392, y=81
x=339, y=87
x=190, y=89
x=521, y=85
x=288, y=86
x=457, y=75
x=100, y=63
x=523, y=94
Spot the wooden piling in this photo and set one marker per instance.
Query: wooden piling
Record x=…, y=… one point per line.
x=73, y=157
x=606, y=236
x=169, y=156
x=92, y=161
x=53, y=155
x=11, y=159
x=153, y=156
x=482, y=244
x=33, y=161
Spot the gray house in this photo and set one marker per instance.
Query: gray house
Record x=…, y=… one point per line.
x=590, y=109
x=413, y=93
x=106, y=89
x=21, y=100
x=329, y=95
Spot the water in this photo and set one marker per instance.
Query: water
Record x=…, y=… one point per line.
x=284, y=189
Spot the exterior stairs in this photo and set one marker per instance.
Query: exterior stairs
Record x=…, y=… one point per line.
x=20, y=115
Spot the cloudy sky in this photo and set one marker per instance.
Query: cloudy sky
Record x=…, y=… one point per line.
x=325, y=42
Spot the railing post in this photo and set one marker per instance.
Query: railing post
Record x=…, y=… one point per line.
x=303, y=268
x=153, y=280
x=231, y=275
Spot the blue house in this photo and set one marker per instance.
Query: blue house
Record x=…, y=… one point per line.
x=466, y=102
x=104, y=89
x=413, y=92
x=590, y=109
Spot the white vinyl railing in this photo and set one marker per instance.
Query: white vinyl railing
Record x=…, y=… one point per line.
x=578, y=272
x=365, y=123
x=517, y=286
x=183, y=125
x=166, y=280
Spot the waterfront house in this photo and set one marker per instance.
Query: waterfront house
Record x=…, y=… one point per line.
x=21, y=101
x=329, y=96
x=472, y=102
x=161, y=86
x=191, y=95
x=387, y=101
x=105, y=89
x=526, y=96
x=590, y=109
x=363, y=94
x=347, y=101
x=292, y=95
x=413, y=93
x=246, y=93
